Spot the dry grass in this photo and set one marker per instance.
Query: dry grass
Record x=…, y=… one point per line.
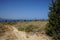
x=14, y=34
x=40, y=24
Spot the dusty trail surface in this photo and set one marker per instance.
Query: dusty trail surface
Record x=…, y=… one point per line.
x=14, y=34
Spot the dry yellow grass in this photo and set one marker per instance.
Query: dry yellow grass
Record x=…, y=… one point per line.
x=14, y=34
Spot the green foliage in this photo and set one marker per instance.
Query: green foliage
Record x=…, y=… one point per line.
x=53, y=27
x=21, y=29
x=28, y=28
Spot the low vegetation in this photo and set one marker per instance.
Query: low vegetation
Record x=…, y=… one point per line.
x=8, y=23
x=2, y=29
x=28, y=28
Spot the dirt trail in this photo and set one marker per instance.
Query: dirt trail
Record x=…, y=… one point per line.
x=14, y=34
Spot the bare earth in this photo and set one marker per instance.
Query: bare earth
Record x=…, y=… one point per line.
x=14, y=34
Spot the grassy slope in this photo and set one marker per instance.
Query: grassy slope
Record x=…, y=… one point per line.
x=41, y=36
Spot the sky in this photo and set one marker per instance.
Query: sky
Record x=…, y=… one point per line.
x=24, y=9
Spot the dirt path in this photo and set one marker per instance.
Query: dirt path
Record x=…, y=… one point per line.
x=20, y=35
x=23, y=36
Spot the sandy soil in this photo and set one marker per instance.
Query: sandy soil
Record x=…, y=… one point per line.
x=14, y=34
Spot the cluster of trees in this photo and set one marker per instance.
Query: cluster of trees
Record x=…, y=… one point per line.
x=25, y=20
x=9, y=20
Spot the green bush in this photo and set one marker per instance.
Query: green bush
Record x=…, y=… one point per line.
x=21, y=29
x=28, y=28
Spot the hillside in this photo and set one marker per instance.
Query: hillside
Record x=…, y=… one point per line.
x=14, y=34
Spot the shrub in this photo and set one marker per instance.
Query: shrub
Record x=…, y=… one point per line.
x=28, y=28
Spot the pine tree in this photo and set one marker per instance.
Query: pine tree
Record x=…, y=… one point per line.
x=53, y=26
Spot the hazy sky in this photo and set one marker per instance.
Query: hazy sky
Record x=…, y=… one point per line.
x=24, y=9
